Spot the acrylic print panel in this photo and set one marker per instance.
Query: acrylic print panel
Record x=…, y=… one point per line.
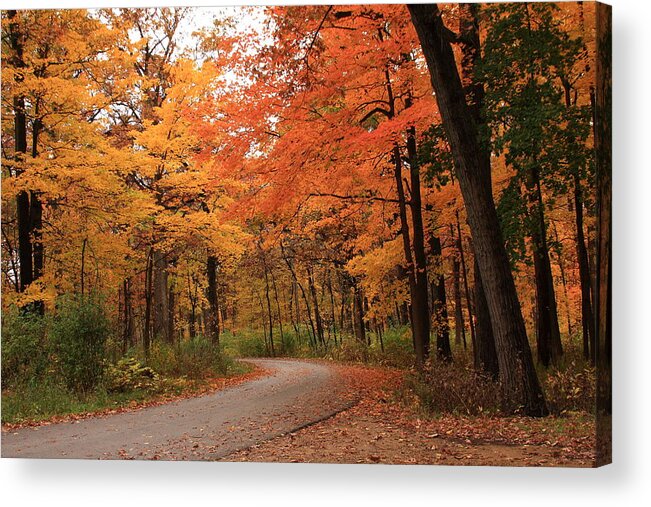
x=342, y=234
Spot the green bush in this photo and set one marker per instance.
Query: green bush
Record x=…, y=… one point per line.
x=128, y=374
x=247, y=344
x=195, y=358
x=25, y=353
x=79, y=332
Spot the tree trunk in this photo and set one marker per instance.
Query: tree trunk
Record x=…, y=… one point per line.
x=315, y=304
x=521, y=389
x=280, y=315
x=459, y=324
x=146, y=334
x=171, y=313
x=603, y=149
x=358, y=313
x=439, y=303
x=547, y=328
x=212, y=322
x=587, y=319
x=332, y=308
x=420, y=257
x=161, y=310
x=36, y=213
x=26, y=267
x=419, y=304
x=269, y=312
x=485, y=353
x=127, y=329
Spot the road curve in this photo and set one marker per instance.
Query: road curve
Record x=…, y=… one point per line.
x=208, y=427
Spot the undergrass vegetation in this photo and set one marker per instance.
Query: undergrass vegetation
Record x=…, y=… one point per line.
x=68, y=363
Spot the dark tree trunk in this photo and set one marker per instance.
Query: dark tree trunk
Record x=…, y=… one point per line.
x=36, y=216
x=146, y=333
x=315, y=303
x=171, y=313
x=521, y=389
x=212, y=322
x=36, y=212
x=127, y=329
x=547, y=328
x=193, y=297
x=459, y=324
x=439, y=304
x=26, y=267
x=587, y=316
x=485, y=353
x=280, y=314
x=192, y=321
x=332, y=308
x=358, y=313
x=603, y=285
x=419, y=304
x=420, y=257
x=269, y=311
x=482, y=332
x=161, y=310
x=587, y=319
x=416, y=260
x=566, y=298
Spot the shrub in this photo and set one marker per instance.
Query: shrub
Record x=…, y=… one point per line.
x=128, y=374
x=248, y=344
x=570, y=389
x=195, y=358
x=453, y=388
x=79, y=332
x=25, y=355
x=350, y=350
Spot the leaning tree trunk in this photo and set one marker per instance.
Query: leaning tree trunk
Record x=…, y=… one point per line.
x=521, y=389
x=482, y=331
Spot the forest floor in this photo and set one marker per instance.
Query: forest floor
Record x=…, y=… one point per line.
x=380, y=429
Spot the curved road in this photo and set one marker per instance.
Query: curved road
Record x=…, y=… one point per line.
x=209, y=427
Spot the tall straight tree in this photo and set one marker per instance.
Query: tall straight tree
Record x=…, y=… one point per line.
x=519, y=382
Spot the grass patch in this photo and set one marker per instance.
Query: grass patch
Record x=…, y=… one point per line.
x=41, y=401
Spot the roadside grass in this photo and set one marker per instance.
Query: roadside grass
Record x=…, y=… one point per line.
x=41, y=400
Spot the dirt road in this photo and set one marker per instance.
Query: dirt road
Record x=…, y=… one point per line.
x=209, y=427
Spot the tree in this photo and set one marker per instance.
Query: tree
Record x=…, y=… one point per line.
x=519, y=382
